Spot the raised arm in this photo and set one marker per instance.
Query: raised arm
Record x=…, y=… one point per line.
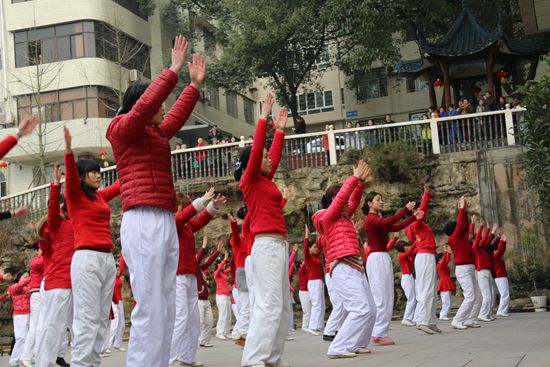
x=307, y=255
x=54, y=219
x=396, y=227
x=25, y=127
x=209, y=260
x=477, y=240
x=501, y=248
x=391, y=243
x=462, y=221
x=355, y=198
x=292, y=254
x=276, y=149
x=72, y=179
x=219, y=269
x=253, y=168
x=425, y=201
x=340, y=200
x=110, y=192
x=445, y=259
x=211, y=210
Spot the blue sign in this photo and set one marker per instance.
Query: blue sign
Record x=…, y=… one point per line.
x=351, y=114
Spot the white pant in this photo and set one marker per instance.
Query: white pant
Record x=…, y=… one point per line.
x=338, y=313
x=30, y=342
x=485, y=279
x=57, y=317
x=380, y=273
x=354, y=292
x=504, y=291
x=20, y=330
x=445, y=304
x=246, y=299
x=305, y=302
x=223, y=303
x=269, y=323
x=235, y=309
x=291, y=318
x=107, y=337
x=185, y=338
x=407, y=283
x=118, y=325
x=150, y=245
x=316, y=289
x=469, y=308
x=206, y=320
x=92, y=279
x=493, y=292
x=425, y=288
x=40, y=324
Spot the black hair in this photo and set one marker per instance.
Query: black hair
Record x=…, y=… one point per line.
x=369, y=197
x=449, y=228
x=240, y=165
x=438, y=257
x=329, y=195
x=85, y=166
x=131, y=96
x=400, y=245
x=241, y=213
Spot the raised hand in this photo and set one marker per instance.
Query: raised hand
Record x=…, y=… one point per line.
x=231, y=217
x=462, y=202
x=500, y=231
x=282, y=117
x=197, y=70
x=20, y=212
x=474, y=218
x=285, y=192
x=410, y=205
x=219, y=200
x=267, y=106
x=204, y=242
x=306, y=234
x=68, y=140
x=503, y=238
x=226, y=256
x=495, y=227
x=361, y=171
x=7, y=276
x=295, y=247
x=419, y=214
x=209, y=194
x=221, y=246
x=28, y=125
x=427, y=189
x=179, y=53
x=447, y=248
x=57, y=173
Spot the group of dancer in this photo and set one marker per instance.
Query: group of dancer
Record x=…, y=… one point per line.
x=172, y=315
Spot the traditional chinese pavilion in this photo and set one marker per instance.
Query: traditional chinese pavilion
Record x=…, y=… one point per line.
x=470, y=53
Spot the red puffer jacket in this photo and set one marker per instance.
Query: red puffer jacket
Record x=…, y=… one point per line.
x=341, y=238
x=141, y=149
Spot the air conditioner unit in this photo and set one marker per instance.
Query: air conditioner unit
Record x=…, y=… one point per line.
x=135, y=75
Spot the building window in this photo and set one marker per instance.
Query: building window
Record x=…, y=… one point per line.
x=80, y=39
x=231, y=101
x=416, y=85
x=372, y=84
x=315, y=102
x=342, y=95
x=212, y=96
x=209, y=42
x=323, y=59
x=248, y=111
x=69, y=104
x=3, y=185
x=133, y=7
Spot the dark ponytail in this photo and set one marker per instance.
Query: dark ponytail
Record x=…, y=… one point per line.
x=84, y=166
x=329, y=195
x=131, y=96
x=242, y=162
x=369, y=197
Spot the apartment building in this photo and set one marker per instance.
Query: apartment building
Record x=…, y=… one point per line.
x=69, y=62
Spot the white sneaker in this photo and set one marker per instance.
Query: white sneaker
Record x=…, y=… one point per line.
x=289, y=338
x=343, y=355
x=221, y=337
x=473, y=325
x=311, y=332
x=434, y=327
x=363, y=351
x=121, y=349
x=408, y=323
x=192, y=364
x=444, y=318
x=426, y=329
x=207, y=345
x=107, y=351
x=281, y=363
x=25, y=363
x=484, y=319
x=104, y=355
x=503, y=315
x=458, y=326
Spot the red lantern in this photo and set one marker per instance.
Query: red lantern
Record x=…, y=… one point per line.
x=103, y=155
x=503, y=76
x=475, y=90
x=439, y=84
x=3, y=164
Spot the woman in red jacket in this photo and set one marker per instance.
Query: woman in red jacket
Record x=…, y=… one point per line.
x=25, y=128
x=501, y=277
x=343, y=253
x=140, y=138
x=315, y=286
x=57, y=311
x=93, y=265
x=379, y=267
x=271, y=310
x=305, y=301
x=445, y=286
x=20, y=297
x=223, y=300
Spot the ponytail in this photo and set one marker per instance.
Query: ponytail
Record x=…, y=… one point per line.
x=242, y=162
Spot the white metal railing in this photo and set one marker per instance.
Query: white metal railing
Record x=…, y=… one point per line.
x=319, y=149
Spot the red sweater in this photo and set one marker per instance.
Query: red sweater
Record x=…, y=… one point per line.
x=303, y=277
x=117, y=292
x=459, y=242
x=420, y=232
x=202, y=286
x=500, y=265
x=262, y=197
x=6, y=144
x=45, y=245
x=20, y=294
x=445, y=283
x=187, y=225
x=222, y=280
x=91, y=219
x=141, y=149
x=314, y=263
x=378, y=229
x=61, y=245
x=238, y=245
x=482, y=257
x=37, y=272
x=406, y=259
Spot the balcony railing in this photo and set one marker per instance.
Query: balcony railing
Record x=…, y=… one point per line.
x=432, y=136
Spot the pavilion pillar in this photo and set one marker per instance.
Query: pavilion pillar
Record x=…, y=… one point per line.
x=447, y=81
x=431, y=91
x=489, y=73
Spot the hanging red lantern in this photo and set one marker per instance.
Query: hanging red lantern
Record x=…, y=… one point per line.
x=3, y=164
x=503, y=75
x=439, y=84
x=475, y=90
x=103, y=155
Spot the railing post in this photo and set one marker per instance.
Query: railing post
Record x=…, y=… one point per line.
x=509, y=123
x=332, y=148
x=436, y=149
